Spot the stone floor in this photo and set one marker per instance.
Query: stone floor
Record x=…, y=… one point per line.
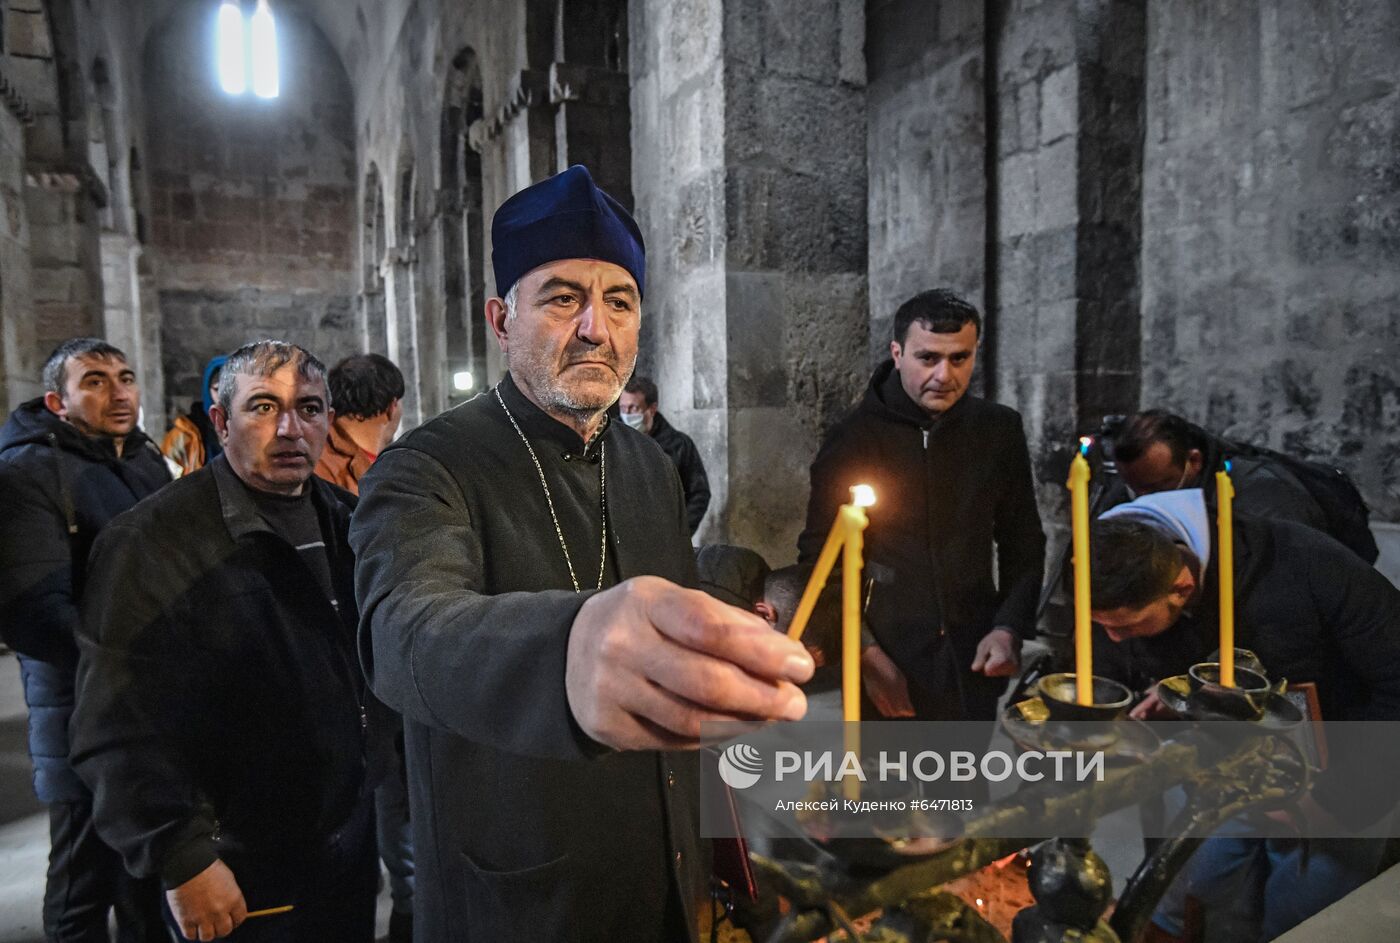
x=24, y=837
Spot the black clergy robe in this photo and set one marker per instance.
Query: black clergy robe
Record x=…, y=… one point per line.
x=523, y=827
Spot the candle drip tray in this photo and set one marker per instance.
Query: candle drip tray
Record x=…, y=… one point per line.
x=1029, y=725
x=1191, y=698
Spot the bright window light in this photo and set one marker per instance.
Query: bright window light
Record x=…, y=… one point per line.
x=233, y=77
x=462, y=381
x=265, y=77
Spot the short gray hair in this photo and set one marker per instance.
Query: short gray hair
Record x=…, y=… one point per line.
x=56, y=367
x=511, y=299
x=264, y=358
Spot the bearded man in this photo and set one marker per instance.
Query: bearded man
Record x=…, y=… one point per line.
x=522, y=572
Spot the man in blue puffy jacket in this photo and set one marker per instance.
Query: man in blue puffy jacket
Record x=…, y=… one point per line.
x=70, y=461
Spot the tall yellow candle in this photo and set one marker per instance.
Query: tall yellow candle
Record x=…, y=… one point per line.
x=1079, y=521
x=851, y=562
x=825, y=560
x=1225, y=523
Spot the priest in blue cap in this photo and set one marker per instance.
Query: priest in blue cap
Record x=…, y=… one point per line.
x=524, y=573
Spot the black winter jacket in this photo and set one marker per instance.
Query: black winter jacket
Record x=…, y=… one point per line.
x=686, y=457
x=58, y=489
x=1312, y=611
x=955, y=501
x=221, y=709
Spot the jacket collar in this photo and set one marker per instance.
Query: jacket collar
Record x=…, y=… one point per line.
x=539, y=426
x=340, y=442
x=240, y=514
x=885, y=396
x=658, y=425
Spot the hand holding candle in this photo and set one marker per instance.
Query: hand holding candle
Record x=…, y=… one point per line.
x=1079, y=521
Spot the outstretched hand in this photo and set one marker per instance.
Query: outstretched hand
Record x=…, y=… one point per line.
x=650, y=661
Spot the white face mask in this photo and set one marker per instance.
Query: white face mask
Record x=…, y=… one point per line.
x=637, y=421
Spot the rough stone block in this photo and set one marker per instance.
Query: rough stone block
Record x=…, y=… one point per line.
x=755, y=309
x=1059, y=104
x=898, y=34
x=27, y=34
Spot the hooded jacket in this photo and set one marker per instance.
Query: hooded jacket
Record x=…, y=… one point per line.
x=955, y=526
x=58, y=489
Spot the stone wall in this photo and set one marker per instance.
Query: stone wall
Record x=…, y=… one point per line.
x=928, y=181
x=1271, y=230
x=253, y=202
x=19, y=357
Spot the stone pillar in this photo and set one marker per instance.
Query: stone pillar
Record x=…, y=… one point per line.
x=1068, y=229
x=19, y=356
x=753, y=204
x=402, y=331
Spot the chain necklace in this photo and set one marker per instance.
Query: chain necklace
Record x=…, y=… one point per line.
x=549, y=500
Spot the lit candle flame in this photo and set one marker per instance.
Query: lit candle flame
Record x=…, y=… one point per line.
x=979, y=902
x=862, y=496
x=1084, y=443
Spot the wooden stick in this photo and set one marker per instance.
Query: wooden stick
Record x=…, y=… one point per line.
x=270, y=911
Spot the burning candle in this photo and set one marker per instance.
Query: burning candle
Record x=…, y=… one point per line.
x=1225, y=522
x=1079, y=521
x=847, y=538
x=862, y=496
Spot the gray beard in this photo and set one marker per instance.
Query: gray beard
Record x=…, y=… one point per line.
x=555, y=399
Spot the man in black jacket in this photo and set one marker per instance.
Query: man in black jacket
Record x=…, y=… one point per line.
x=521, y=564
x=223, y=723
x=954, y=499
x=639, y=410
x=1313, y=612
x=1159, y=451
x=70, y=462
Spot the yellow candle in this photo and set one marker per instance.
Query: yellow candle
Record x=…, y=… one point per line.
x=1225, y=521
x=854, y=524
x=825, y=560
x=1079, y=522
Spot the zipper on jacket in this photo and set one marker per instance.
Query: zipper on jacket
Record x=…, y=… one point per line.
x=216, y=835
x=925, y=432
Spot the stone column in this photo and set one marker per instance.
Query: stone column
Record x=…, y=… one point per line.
x=748, y=160
x=402, y=331
x=1068, y=230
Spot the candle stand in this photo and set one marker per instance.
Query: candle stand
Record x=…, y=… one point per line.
x=1227, y=776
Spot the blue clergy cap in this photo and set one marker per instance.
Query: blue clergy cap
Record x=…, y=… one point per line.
x=563, y=217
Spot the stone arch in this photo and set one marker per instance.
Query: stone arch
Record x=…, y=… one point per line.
x=461, y=226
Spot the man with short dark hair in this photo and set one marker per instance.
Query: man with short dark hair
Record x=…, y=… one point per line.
x=638, y=408
x=955, y=501
x=70, y=461
x=367, y=395
x=1159, y=451
x=223, y=722
x=1312, y=611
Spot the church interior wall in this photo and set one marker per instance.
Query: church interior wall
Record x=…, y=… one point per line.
x=1188, y=205
x=1271, y=293
x=253, y=201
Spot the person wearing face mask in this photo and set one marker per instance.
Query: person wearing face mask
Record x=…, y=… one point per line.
x=1158, y=451
x=638, y=410
x=955, y=501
